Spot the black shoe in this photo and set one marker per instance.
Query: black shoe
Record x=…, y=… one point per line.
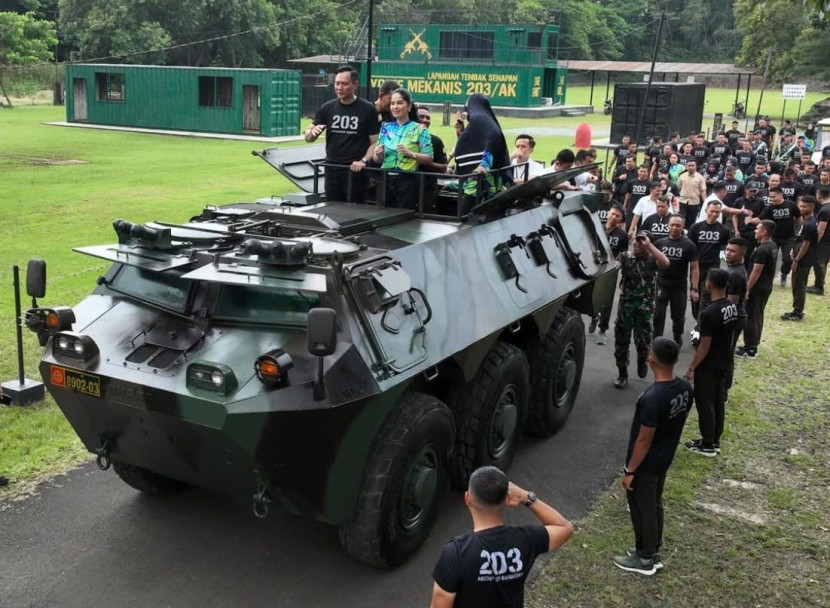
x=4, y=481
x=697, y=446
x=819, y=291
x=792, y=316
x=621, y=382
x=642, y=367
x=746, y=351
x=679, y=340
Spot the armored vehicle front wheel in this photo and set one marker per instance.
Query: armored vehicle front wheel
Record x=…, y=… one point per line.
x=147, y=481
x=404, y=483
x=556, y=362
x=491, y=412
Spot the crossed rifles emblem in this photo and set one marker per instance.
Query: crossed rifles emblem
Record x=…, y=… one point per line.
x=416, y=45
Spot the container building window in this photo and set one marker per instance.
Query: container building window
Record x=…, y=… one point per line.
x=215, y=91
x=110, y=86
x=466, y=45
x=534, y=41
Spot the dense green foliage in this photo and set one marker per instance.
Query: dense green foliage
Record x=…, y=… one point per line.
x=253, y=33
x=24, y=40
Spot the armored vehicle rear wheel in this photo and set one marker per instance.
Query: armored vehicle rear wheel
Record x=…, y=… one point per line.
x=404, y=483
x=147, y=481
x=556, y=363
x=491, y=412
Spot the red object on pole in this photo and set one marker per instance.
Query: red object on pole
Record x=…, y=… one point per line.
x=583, y=136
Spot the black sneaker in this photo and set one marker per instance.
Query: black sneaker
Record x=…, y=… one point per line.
x=621, y=382
x=658, y=562
x=592, y=326
x=4, y=481
x=716, y=447
x=642, y=367
x=792, y=316
x=818, y=291
x=746, y=351
x=697, y=446
x=632, y=563
x=783, y=281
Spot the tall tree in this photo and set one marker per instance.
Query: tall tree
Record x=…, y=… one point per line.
x=24, y=40
x=771, y=27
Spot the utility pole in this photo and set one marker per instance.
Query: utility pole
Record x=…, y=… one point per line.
x=642, y=117
x=764, y=86
x=57, y=98
x=369, y=51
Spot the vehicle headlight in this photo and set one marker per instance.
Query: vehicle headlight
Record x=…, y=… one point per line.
x=213, y=377
x=70, y=345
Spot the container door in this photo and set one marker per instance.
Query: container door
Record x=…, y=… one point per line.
x=250, y=108
x=79, y=90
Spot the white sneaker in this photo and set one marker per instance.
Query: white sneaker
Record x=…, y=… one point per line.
x=602, y=338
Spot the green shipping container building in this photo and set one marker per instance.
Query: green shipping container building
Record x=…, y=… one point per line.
x=217, y=100
x=513, y=65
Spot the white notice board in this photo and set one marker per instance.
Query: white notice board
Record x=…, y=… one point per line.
x=794, y=91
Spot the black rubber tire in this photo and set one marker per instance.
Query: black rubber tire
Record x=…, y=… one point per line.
x=491, y=412
x=147, y=481
x=412, y=452
x=556, y=364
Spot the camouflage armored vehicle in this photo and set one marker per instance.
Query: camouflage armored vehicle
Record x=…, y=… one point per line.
x=340, y=361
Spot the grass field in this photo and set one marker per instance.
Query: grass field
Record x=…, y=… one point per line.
x=747, y=529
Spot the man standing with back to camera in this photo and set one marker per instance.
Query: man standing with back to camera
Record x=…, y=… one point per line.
x=487, y=568
x=352, y=125
x=658, y=422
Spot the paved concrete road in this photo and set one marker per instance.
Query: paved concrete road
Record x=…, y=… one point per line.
x=87, y=539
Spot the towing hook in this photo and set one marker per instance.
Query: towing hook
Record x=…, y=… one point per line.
x=261, y=502
x=102, y=458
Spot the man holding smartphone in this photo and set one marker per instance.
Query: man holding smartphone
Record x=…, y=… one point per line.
x=635, y=310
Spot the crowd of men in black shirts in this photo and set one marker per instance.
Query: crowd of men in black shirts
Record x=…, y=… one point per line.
x=767, y=174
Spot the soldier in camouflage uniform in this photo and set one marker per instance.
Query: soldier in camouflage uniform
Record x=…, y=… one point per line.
x=638, y=269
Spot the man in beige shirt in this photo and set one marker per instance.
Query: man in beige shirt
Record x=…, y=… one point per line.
x=692, y=188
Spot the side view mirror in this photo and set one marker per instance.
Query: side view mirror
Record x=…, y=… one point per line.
x=36, y=278
x=322, y=331
x=322, y=341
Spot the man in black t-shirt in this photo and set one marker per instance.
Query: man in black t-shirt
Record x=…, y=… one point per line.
x=710, y=238
x=759, y=287
x=658, y=422
x=745, y=157
x=488, y=568
x=661, y=163
x=744, y=226
x=759, y=179
x=657, y=224
x=624, y=174
x=734, y=135
x=784, y=213
x=671, y=282
x=721, y=147
x=791, y=188
x=736, y=292
x=804, y=256
x=620, y=152
x=823, y=241
x=734, y=187
x=352, y=131
x=711, y=364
